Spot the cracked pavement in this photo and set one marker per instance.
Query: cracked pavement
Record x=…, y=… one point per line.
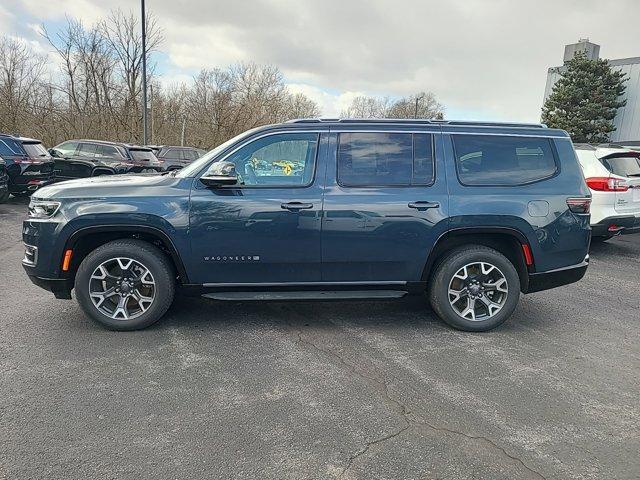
x=322, y=390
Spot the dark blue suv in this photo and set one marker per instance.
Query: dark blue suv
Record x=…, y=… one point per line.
x=472, y=214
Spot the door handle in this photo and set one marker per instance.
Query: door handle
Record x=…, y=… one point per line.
x=295, y=206
x=421, y=205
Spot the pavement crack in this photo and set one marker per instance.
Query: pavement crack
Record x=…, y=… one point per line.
x=370, y=444
x=409, y=418
x=483, y=439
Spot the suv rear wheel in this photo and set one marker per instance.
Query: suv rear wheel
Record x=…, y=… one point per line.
x=125, y=284
x=475, y=288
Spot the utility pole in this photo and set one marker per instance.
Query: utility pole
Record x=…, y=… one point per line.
x=418, y=98
x=144, y=75
x=152, y=105
x=184, y=128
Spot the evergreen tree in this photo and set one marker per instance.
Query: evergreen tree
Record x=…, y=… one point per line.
x=585, y=100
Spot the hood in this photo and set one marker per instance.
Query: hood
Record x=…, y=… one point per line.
x=108, y=186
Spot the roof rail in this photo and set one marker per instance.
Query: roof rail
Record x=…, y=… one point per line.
x=417, y=120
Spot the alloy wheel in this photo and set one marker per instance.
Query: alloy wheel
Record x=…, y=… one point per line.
x=478, y=291
x=122, y=288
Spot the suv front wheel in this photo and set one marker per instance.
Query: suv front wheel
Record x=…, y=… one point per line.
x=125, y=284
x=475, y=288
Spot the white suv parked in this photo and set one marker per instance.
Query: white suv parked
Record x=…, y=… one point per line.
x=613, y=175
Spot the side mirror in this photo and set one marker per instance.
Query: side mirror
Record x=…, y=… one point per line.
x=219, y=174
x=53, y=152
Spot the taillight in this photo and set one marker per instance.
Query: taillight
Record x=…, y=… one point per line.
x=579, y=204
x=607, y=184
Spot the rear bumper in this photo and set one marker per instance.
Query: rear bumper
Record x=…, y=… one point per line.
x=556, y=278
x=616, y=225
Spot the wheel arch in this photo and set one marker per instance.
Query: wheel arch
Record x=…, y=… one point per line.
x=87, y=239
x=505, y=240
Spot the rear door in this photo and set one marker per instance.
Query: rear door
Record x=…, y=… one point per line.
x=385, y=203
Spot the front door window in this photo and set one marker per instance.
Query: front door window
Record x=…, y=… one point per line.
x=284, y=160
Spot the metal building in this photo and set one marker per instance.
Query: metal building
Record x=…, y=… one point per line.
x=627, y=120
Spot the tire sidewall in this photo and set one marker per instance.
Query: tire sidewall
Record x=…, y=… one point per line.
x=148, y=256
x=450, y=266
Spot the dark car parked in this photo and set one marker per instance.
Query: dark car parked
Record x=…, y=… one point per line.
x=472, y=214
x=174, y=157
x=92, y=158
x=4, y=182
x=28, y=164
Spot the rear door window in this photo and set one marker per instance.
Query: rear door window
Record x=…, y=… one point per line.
x=385, y=159
x=67, y=149
x=107, y=151
x=488, y=160
x=626, y=166
x=87, y=150
x=172, y=154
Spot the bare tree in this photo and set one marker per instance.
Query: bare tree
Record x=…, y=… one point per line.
x=96, y=92
x=20, y=73
x=122, y=34
x=368, y=107
x=420, y=105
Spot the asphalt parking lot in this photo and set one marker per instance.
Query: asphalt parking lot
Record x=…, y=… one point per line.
x=323, y=390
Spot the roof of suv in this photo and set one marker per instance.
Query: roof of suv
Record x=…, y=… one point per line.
x=448, y=126
x=402, y=121
x=115, y=144
x=605, y=150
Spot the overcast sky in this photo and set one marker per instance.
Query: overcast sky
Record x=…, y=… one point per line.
x=482, y=59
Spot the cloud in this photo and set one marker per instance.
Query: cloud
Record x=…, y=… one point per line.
x=488, y=57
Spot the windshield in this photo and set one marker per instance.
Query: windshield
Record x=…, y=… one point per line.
x=142, y=155
x=35, y=150
x=627, y=166
x=195, y=167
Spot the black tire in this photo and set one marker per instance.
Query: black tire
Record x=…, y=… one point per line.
x=4, y=196
x=146, y=254
x=454, y=261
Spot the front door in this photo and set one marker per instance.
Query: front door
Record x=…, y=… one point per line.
x=385, y=204
x=266, y=229
x=74, y=160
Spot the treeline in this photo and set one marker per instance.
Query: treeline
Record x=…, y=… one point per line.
x=419, y=105
x=96, y=91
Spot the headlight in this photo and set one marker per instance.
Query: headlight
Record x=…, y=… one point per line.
x=43, y=208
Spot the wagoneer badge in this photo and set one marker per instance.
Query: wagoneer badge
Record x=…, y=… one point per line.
x=232, y=258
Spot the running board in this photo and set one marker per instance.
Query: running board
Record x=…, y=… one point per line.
x=307, y=295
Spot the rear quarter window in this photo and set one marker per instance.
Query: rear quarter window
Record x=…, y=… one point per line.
x=501, y=160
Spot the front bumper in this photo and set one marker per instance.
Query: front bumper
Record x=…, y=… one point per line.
x=556, y=278
x=60, y=287
x=616, y=225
